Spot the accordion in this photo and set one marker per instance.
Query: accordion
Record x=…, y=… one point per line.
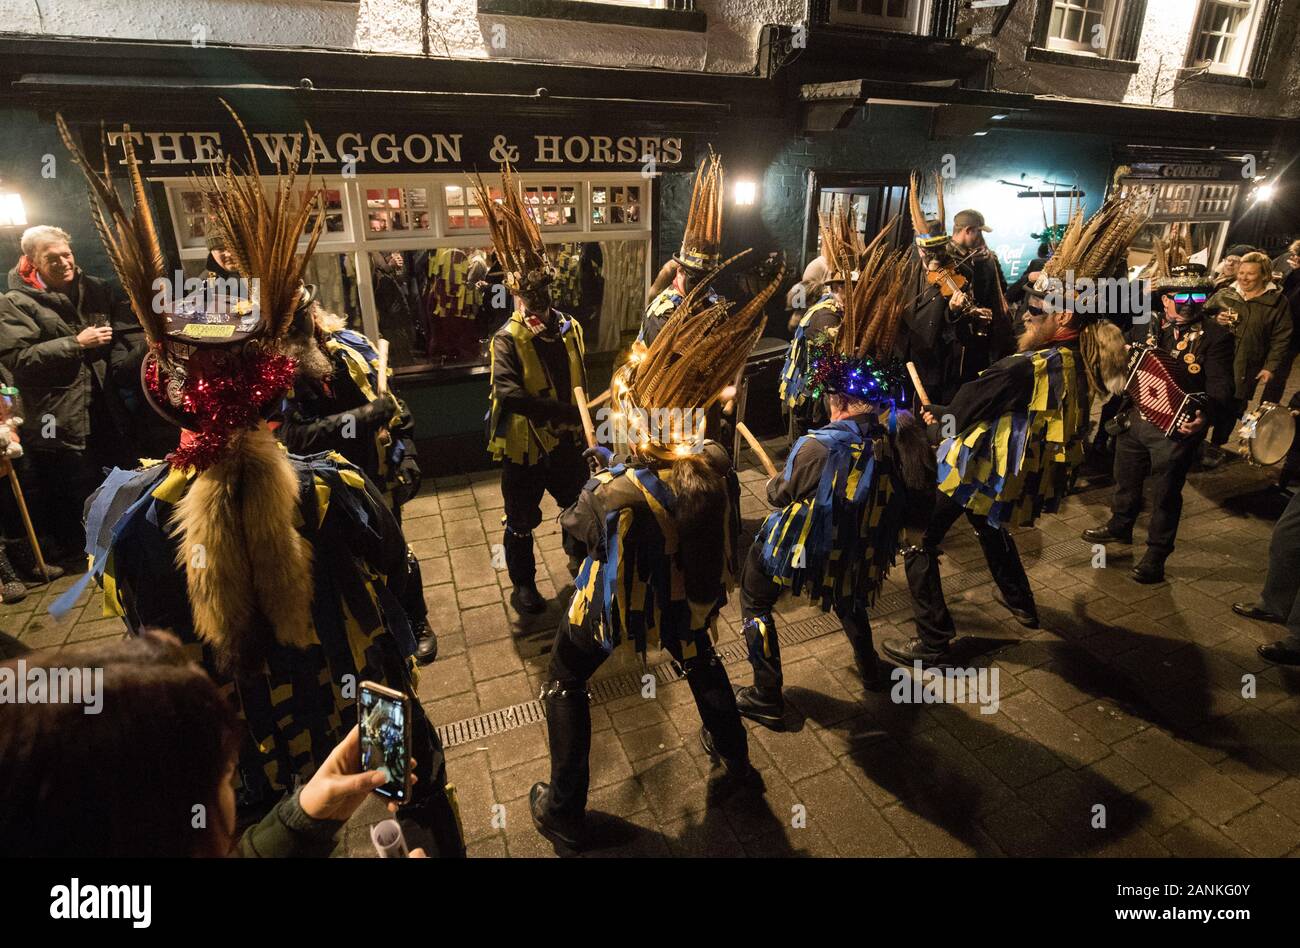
x=1156, y=394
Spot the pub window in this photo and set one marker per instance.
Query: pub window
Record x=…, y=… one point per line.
x=615, y=205
x=552, y=206
x=393, y=210
x=1082, y=26
x=331, y=199
x=407, y=258
x=189, y=216
x=1224, y=36
x=901, y=15
x=463, y=215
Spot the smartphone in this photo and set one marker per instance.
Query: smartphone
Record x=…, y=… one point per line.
x=384, y=716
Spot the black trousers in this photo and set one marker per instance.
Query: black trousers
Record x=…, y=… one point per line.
x=574, y=659
x=758, y=597
x=561, y=473
x=56, y=485
x=1143, y=451
x=934, y=623
x=1281, y=593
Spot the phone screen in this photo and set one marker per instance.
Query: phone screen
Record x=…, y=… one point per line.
x=385, y=739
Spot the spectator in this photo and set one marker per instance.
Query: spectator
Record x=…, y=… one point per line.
x=56, y=340
x=124, y=781
x=1260, y=319
x=1285, y=262
x=1226, y=272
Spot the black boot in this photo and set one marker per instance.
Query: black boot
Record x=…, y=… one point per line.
x=1108, y=534
x=716, y=703
x=521, y=562
x=1150, y=570
x=426, y=643
x=20, y=554
x=559, y=807
x=765, y=706
x=12, y=589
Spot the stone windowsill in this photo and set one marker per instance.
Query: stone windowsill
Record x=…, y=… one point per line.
x=1058, y=57
x=579, y=11
x=1220, y=79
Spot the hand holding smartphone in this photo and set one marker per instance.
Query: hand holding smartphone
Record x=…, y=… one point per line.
x=384, y=719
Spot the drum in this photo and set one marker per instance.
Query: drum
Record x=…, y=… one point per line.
x=1266, y=433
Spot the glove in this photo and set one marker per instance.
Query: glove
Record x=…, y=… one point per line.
x=408, y=480
x=598, y=459
x=378, y=412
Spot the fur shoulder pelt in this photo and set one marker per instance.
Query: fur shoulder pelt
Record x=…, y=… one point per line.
x=248, y=571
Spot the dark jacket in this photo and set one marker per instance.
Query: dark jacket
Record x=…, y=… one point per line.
x=1263, y=333
x=55, y=376
x=320, y=415
x=287, y=832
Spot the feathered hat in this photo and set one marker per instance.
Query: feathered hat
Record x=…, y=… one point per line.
x=857, y=357
x=686, y=369
x=930, y=232
x=702, y=242
x=218, y=358
x=1088, y=250
x=841, y=244
x=216, y=362
x=1168, y=255
x=1191, y=278
x=515, y=237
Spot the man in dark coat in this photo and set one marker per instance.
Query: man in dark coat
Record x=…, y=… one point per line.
x=74, y=352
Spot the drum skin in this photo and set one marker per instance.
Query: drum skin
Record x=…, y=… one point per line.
x=1266, y=433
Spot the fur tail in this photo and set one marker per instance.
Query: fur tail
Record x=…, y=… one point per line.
x=248, y=570
x=1106, y=356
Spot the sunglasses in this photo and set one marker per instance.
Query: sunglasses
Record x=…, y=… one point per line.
x=1183, y=299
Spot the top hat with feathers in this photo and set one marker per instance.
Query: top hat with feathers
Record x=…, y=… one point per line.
x=698, y=353
x=701, y=248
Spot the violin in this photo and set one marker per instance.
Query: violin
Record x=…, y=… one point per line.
x=950, y=281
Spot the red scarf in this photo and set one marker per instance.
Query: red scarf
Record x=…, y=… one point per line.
x=28, y=274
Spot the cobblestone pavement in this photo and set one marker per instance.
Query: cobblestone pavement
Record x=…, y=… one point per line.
x=1129, y=698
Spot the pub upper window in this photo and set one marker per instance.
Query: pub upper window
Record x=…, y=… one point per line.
x=905, y=16
x=1082, y=26
x=1224, y=36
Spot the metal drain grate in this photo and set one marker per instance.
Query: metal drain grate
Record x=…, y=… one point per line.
x=733, y=652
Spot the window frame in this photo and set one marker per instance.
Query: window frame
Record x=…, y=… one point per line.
x=1247, y=51
x=1112, y=16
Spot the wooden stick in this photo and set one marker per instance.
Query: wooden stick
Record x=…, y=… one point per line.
x=581, y=400
x=916, y=383
x=7, y=470
x=599, y=399
x=383, y=366
x=758, y=449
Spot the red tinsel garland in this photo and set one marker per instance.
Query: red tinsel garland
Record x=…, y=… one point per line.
x=225, y=393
